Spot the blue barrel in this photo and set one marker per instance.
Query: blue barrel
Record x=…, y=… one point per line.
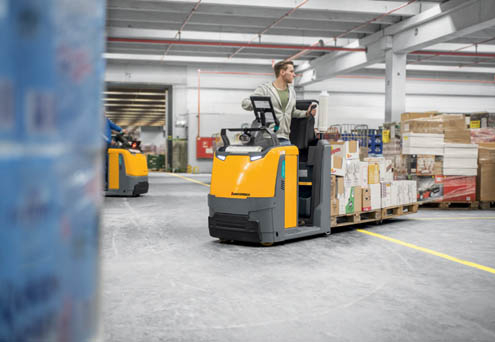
x=51, y=80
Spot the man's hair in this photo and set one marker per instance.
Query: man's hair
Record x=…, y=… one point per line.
x=282, y=65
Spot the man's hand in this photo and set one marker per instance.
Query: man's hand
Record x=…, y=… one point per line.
x=124, y=131
x=311, y=110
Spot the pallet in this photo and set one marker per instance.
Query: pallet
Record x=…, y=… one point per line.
x=487, y=205
x=451, y=205
x=399, y=210
x=356, y=218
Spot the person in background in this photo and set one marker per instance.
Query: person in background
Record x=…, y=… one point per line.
x=109, y=127
x=283, y=97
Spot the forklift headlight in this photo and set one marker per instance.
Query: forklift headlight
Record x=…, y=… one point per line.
x=253, y=158
x=221, y=157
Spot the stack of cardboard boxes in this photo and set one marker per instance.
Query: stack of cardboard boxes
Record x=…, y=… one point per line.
x=486, y=174
x=437, y=152
x=367, y=185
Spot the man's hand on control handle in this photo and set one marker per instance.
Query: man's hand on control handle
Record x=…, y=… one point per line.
x=311, y=110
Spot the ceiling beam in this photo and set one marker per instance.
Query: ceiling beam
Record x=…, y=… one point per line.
x=439, y=24
x=356, y=6
x=469, y=17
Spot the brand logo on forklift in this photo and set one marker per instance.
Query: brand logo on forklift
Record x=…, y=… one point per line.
x=240, y=194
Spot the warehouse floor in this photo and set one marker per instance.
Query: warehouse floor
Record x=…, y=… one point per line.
x=165, y=279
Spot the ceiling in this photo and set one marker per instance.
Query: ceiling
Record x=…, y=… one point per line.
x=260, y=31
x=275, y=23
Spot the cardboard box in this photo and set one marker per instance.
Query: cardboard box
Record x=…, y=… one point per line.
x=459, y=136
x=423, y=125
x=460, y=163
x=413, y=115
x=386, y=194
x=352, y=199
x=338, y=166
x=386, y=171
x=349, y=200
x=430, y=188
x=340, y=187
x=394, y=193
x=469, y=151
x=334, y=207
x=373, y=174
x=358, y=199
x=363, y=174
x=346, y=149
x=413, y=191
x=460, y=172
x=486, y=152
x=486, y=182
x=366, y=201
x=375, y=196
x=453, y=121
x=352, y=176
x=457, y=188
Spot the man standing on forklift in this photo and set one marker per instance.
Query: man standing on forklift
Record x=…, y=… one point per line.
x=283, y=97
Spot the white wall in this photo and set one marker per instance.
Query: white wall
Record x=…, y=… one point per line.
x=359, y=99
x=152, y=135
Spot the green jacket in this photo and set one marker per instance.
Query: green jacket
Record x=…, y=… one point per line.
x=267, y=89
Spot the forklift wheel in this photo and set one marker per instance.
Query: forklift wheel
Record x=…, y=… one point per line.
x=267, y=244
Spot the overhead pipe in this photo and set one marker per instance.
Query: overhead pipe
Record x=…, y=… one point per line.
x=177, y=35
x=300, y=53
x=233, y=44
x=270, y=26
x=453, y=53
x=459, y=49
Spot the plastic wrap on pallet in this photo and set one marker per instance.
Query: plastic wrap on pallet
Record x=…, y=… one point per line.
x=50, y=168
x=459, y=188
x=482, y=135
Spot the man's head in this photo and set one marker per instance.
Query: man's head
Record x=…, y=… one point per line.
x=285, y=71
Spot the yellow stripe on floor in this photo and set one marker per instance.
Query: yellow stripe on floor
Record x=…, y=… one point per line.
x=429, y=251
x=187, y=178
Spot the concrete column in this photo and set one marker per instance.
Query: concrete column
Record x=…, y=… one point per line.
x=395, y=85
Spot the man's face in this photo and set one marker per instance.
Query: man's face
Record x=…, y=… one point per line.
x=288, y=74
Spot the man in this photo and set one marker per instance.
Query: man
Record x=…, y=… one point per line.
x=109, y=127
x=283, y=98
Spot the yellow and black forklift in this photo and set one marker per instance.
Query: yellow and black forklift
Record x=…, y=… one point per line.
x=127, y=169
x=263, y=192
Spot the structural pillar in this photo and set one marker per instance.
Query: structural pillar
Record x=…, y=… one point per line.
x=395, y=85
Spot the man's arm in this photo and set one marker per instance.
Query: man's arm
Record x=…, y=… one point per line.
x=113, y=126
x=246, y=103
x=297, y=113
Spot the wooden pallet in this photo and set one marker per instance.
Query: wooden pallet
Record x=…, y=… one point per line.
x=487, y=205
x=399, y=210
x=356, y=218
x=451, y=205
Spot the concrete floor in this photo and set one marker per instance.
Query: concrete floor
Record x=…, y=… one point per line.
x=165, y=279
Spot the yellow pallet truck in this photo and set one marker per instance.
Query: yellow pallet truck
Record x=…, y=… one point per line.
x=127, y=173
x=262, y=192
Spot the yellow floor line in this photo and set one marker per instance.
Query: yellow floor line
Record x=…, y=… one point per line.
x=429, y=251
x=451, y=218
x=188, y=179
